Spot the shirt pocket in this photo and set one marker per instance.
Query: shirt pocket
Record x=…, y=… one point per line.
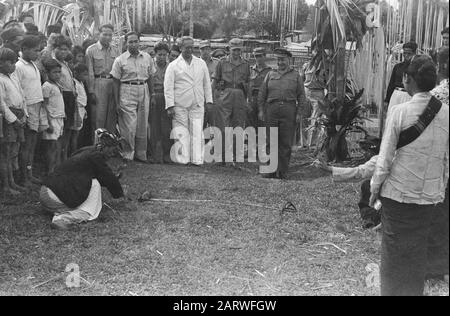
x=99, y=64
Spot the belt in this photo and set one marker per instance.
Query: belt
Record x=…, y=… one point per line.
x=228, y=85
x=103, y=76
x=283, y=102
x=134, y=83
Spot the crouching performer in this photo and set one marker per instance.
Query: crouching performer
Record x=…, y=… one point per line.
x=73, y=192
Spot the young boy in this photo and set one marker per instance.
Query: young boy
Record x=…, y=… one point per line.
x=81, y=73
x=28, y=76
x=12, y=106
x=54, y=107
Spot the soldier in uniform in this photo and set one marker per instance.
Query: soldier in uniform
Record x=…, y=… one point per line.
x=281, y=101
x=131, y=72
x=232, y=78
x=212, y=115
x=160, y=123
x=258, y=73
x=100, y=58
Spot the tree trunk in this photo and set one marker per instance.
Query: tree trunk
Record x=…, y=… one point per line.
x=191, y=18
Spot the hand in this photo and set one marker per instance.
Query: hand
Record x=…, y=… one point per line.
x=373, y=199
x=171, y=112
x=18, y=124
x=261, y=116
x=320, y=164
x=50, y=130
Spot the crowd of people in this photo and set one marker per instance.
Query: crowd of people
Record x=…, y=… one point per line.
x=66, y=97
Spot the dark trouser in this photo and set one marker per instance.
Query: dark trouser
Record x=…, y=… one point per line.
x=160, y=128
x=253, y=119
x=406, y=228
x=370, y=216
x=438, y=242
x=282, y=115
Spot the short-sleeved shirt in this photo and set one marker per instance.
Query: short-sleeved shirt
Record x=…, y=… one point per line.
x=29, y=78
x=133, y=68
x=232, y=73
x=66, y=81
x=55, y=107
x=11, y=96
x=257, y=76
x=81, y=94
x=287, y=87
x=100, y=59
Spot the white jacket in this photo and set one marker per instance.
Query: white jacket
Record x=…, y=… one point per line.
x=187, y=85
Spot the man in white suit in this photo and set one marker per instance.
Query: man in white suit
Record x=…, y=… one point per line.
x=187, y=87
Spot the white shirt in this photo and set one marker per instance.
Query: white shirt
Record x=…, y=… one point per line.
x=417, y=173
x=187, y=85
x=11, y=96
x=29, y=78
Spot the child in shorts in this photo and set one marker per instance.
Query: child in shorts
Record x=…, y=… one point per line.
x=54, y=107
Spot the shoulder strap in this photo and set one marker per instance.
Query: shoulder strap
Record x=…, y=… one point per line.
x=411, y=134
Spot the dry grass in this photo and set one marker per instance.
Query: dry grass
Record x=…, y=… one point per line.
x=199, y=248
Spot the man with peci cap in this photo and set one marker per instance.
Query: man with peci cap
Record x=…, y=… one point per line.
x=131, y=73
x=396, y=93
x=281, y=102
x=258, y=73
x=232, y=77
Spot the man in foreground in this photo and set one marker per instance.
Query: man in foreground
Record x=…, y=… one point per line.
x=73, y=192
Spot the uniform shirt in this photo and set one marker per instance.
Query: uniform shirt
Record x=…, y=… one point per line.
x=257, y=76
x=286, y=87
x=418, y=172
x=187, y=85
x=231, y=73
x=66, y=81
x=158, y=78
x=55, y=106
x=396, y=79
x=29, y=77
x=212, y=65
x=11, y=96
x=100, y=60
x=133, y=68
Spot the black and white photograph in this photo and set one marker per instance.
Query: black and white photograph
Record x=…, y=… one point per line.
x=224, y=155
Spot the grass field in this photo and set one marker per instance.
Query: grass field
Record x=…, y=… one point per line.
x=240, y=244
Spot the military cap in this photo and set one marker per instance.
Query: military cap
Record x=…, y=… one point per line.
x=259, y=51
x=204, y=44
x=236, y=43
x=218, y=53
x=282, y=52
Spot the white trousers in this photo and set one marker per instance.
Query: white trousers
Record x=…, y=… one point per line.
x=88, y=211
x=188, y=131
